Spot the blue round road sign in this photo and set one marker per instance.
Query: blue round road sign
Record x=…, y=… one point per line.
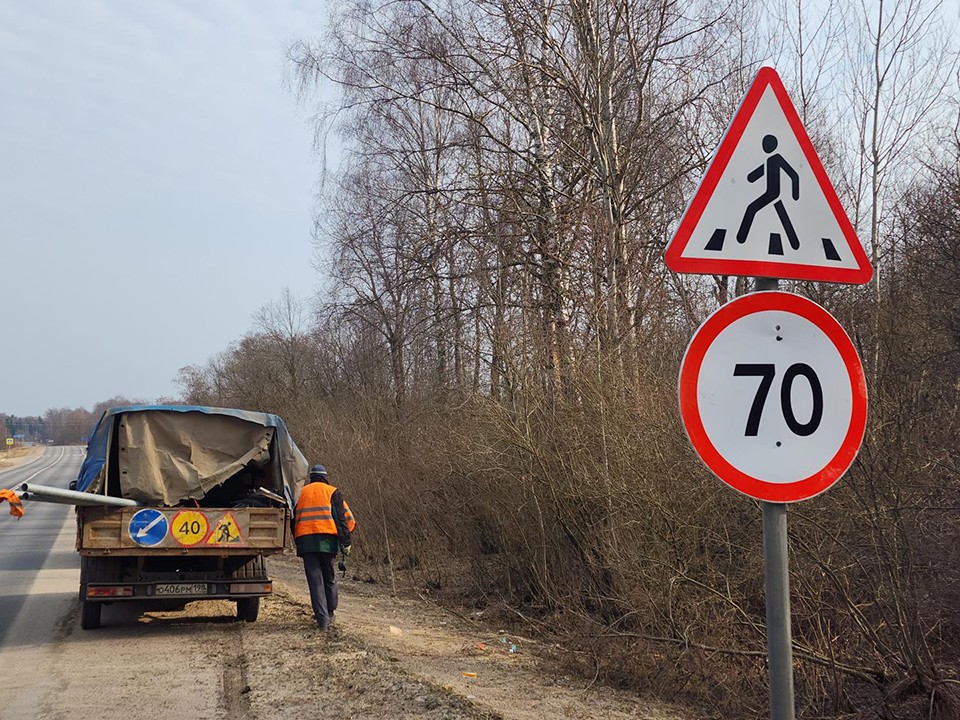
x=148, y=527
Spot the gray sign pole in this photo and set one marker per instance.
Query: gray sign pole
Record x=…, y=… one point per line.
x=776, y=580
x=776, y=577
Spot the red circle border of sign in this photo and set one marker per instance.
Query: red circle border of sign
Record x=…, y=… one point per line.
x=690, y=366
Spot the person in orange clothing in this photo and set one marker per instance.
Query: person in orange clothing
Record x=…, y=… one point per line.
x=320, y=530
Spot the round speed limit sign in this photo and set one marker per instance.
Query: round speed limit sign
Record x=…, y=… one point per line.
x=773, y=396
x=189, y=527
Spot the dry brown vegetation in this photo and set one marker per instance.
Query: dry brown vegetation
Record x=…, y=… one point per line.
x=491, y=374
x=12, y=456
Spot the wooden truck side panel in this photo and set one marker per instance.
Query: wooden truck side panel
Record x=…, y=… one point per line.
x=181, y=531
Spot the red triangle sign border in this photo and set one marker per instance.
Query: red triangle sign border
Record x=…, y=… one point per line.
x=766, y=77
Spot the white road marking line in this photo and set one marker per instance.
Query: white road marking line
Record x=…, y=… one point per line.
x=18, y=484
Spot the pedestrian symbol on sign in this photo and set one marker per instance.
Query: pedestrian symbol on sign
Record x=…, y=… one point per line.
x=772, y=168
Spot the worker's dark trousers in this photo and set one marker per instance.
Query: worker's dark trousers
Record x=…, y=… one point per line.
x=323, y=585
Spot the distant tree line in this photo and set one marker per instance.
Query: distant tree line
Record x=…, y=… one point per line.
x=30, y=429
x=59, y=426
x=490, y=371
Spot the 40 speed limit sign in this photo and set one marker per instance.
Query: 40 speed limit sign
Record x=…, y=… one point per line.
x=773, y=396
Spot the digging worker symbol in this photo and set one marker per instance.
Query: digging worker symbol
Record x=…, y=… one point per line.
x=770, y=170
x=224, y=531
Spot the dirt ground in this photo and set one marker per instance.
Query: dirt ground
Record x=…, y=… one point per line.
x=384, y=659
x=388, y=657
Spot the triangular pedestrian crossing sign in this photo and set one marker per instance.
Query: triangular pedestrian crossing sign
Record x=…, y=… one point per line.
x=765, y=206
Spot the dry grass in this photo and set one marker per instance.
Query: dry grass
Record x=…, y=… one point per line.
x=12, y=457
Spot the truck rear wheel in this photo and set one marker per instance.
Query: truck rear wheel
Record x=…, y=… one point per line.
x=90, y=614
x=248, y=609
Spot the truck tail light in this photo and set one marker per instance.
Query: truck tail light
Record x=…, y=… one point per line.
x=266, y=587
x=114, y=591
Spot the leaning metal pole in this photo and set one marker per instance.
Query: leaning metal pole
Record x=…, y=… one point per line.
x=776, y=582
x=45, y=493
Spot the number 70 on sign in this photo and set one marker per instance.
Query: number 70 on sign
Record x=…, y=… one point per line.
x=773, y=396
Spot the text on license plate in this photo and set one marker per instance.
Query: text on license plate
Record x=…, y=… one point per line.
x=181, y=589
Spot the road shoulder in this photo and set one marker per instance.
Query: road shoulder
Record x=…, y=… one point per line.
x=496, y=673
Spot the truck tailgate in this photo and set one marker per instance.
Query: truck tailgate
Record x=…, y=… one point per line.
x=164, y=531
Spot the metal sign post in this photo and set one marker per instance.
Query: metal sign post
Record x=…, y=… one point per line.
x=776, y=587
x=776, y=584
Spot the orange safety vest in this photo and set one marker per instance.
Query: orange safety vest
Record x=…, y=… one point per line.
x=348, y=516
x=314, y=514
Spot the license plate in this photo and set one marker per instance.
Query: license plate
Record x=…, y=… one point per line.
x=181, y=589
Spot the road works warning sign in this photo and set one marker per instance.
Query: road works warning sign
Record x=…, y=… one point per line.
x=765, y=206
x=226, y=531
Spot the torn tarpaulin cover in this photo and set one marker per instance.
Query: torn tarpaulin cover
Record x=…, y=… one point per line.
x=164, y=454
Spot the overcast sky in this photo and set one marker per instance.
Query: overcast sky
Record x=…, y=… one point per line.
x=156, y=189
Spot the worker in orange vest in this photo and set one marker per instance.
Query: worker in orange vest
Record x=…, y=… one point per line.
x=320, y=529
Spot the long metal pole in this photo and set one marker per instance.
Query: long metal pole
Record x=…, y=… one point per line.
x=45, y=493
x=776, y=583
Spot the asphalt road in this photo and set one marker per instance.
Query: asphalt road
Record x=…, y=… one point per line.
x=135, y=666
x=37, y=557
